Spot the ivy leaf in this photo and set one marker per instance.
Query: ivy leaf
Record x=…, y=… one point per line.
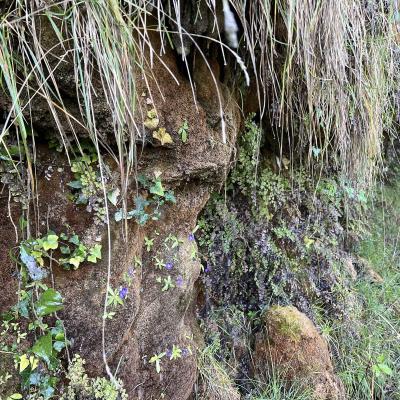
x=163, y=136
x=58, y=345
x=36, y=273
x=95, y=253
x=58, y=331
x=169, y=196
x=141, y=203
x=81, y=199
x=23, y=363
x=49, y=302
x=157, y=188
x=142, y=218
x=143, y=180
x=76, y=261
x=119, y=215
x=43, y=348
x=50, y=242
x=48, y=385
x=65, y=250
x=34, y=362
x=74, y=240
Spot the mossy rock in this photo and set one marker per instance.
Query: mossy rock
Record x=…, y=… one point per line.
x=292, y=345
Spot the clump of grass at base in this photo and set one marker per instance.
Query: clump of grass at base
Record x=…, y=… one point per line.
x=278, y=389
x=215, y=374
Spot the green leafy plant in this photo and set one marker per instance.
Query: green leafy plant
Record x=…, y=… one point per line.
x=87, y=181
x=167, y=283
x=380, y=368
x=150, y=204
x=176, y=353
x=87, y=186
x=184, y=131
x=156, y=360
x=114, y=299
x=33, y=253
x=38, y=364
x=81, y=385
x=149, y=243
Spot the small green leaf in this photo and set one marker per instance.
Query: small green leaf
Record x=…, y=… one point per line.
x=119, y=215
x=184, y=136
x=49, y=302
x=148, y=243
x=50, y=242
x=16, y=396
x=75, y=240
x=58, y=345
x=65, y=250
x=23, y=363
x=113, y=196
x=43, y=348
x=76, y=261
x=169, y=196
x=385, y=369
x=95, y=253
x=157, y=188
x=75, y=184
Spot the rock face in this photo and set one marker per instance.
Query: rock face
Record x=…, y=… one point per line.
x=292, y=344
x=152, y=320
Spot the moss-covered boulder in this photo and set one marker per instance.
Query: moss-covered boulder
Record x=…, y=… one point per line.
x=292, y=344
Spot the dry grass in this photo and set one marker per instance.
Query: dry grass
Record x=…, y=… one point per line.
x=327, y=73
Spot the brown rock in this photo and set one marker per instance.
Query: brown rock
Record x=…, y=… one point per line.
x=367, y=272
x=151, y=320
x=292, y=344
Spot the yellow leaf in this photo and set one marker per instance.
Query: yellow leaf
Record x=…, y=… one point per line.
x=151, y=123
x=308, y=242
x=23, y=363
x=163, y=136
x=34, y=362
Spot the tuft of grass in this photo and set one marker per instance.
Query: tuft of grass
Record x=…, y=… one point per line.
x=278, y=389
x=215, y=375
x=333, y=70
x=367, y=346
